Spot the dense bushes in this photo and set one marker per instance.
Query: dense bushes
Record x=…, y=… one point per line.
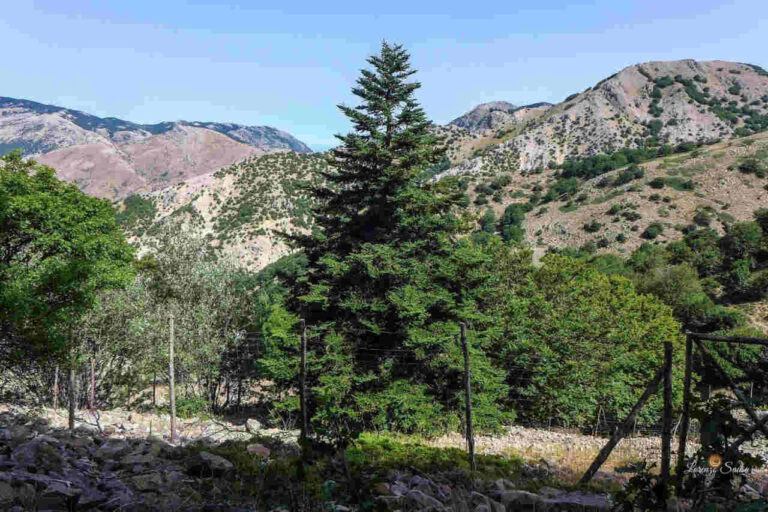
x=599, y=164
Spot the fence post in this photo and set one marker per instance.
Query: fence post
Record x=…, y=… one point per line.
x=71, y=391
x=666, y=432
x=685, y=422
x=172, y=378
x=93, y=387
x=56, y=389
x=303, y=379
x=468, y=397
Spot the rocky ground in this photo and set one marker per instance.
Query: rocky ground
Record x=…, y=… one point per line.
x=121, y=460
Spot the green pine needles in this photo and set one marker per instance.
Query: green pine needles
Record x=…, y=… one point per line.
x=389, y=275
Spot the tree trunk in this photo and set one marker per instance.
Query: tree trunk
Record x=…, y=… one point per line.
x=72, y=403
x=172, y=385
x=56, y=389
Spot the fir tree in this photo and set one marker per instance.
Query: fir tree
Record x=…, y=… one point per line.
x=389, y=274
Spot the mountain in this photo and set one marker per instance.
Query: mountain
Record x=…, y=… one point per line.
x=113, y=158
x=505, y=155
x=669, y=102
x=493, y=115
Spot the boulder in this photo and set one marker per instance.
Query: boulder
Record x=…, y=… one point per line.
x=112, y=450
x=39, y=455
x=578, y=501
x=423, y=500
x=258, y=449
x=253, y=425
x=7, y=495
x=140, y=459
x=91, y=498
x=208, y=464
x=485, y=503
x=148, y=482
x=523, y=501
x=549, y=492
x=87, y=429
x=59, y=496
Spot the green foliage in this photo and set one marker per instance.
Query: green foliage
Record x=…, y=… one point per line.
x=653, y=230
x=742, y=241
x=59, y=249
x=761, y=217
x=600, y=164
x=374, y=454
x=137, y=214
x=577, y=341
x=512, y=222
x=562, y=190
x=388, y=278
x=488, y=222
x=592, y=226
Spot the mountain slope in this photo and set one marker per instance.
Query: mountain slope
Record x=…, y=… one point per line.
x=240, y=209
x=666, y=102
x=112, y=158
x=497, y=166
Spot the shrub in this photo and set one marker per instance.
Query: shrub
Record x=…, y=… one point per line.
x=761, y=217
x=702, y=218
x=750, y=166
x=653, y=231
x=592, y=227
x=656, y=183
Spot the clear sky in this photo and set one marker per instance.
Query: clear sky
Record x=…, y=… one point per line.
x=287, y=64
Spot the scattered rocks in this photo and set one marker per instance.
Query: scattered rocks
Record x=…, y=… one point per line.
x=208, y=464
x=253, y=425
x=43, y=468
x=258, y=449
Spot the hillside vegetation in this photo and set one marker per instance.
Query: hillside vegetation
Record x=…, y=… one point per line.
x=240, y=210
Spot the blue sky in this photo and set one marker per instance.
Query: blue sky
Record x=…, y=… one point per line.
x=289, y=65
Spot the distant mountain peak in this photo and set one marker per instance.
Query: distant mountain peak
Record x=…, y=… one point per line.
x=112, y=157
x=494, y=114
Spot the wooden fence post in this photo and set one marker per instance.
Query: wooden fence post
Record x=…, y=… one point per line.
x=56, y=389
x=468, y=397
x=666, y=430
x=171, y=379
x=303, y=379
x=71, y=390
x=92, y=398
x=685, y=422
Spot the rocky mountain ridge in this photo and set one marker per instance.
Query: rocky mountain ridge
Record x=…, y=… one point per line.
x=113, y=158
x=241, y=208
x=666, y=102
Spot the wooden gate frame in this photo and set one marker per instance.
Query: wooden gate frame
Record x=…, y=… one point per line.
x=760, y=424
x=665, y=374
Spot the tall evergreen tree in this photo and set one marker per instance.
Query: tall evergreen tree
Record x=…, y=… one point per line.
x=389, y=274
